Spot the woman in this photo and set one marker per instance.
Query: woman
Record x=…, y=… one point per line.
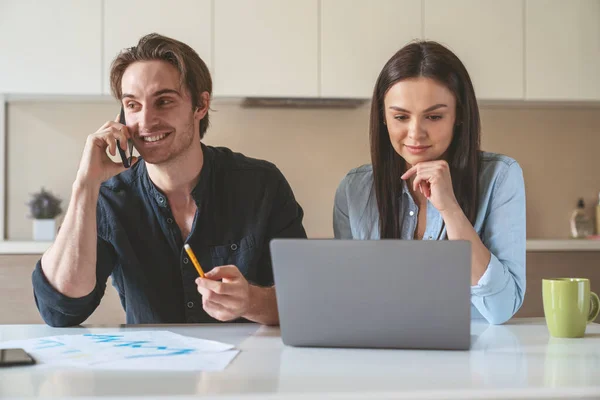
x=429, y=180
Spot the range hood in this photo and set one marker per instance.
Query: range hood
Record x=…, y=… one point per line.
x=299, y=102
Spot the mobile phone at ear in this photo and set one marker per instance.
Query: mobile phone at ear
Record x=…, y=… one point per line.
x=12, y=357
x=126, y=161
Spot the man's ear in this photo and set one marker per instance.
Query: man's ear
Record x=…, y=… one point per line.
x=203, y=107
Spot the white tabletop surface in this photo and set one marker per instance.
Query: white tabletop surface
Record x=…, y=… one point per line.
x=516, y=360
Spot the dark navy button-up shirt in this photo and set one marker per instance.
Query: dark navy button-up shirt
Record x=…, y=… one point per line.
x=242, y=203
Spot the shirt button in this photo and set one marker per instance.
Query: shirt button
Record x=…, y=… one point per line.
x=186, y=260
x=190, y=304
x=170, y=220
x=160, y=199
x=234, y=247
x=411, y=213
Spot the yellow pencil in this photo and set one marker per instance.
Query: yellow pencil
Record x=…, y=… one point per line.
x=192, y=256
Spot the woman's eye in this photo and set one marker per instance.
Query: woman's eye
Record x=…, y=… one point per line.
x=435, y=117
x=401, y=117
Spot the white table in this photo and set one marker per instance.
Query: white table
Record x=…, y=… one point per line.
x=517, y=360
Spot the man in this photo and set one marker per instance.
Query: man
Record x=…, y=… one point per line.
x=134, y=223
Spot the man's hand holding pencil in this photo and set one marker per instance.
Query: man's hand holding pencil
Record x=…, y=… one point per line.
x=225, y=292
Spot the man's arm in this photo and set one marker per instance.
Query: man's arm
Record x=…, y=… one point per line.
x=233, y=296
x=59, y=310
x=68, y=267
x=227, y=295
x=70, y=264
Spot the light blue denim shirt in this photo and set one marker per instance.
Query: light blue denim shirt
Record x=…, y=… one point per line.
x=500, y=224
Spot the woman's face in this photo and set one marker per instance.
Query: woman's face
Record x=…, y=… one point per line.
x=420, y=115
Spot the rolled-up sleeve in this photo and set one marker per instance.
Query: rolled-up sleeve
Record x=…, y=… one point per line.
x=500, y=291
x=59, y=310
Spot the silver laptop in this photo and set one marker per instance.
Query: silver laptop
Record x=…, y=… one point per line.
x=400, y=294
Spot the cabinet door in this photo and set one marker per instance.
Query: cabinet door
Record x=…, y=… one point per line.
x=487, y=36
x=266, y=48
x=50, y=47
x=125, y=22
x=357, y=39
x=563, y=49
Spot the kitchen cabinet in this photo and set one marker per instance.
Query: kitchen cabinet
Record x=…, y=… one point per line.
x=266, y=48
x=125, y=22
x=358, y=38
x=487, y=36
x=562, y=50
x=50, y=47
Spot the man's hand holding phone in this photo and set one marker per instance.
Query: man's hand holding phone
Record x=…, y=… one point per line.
x=96, y=166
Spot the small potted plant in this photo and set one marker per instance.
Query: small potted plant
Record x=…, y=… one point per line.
x=44, y=208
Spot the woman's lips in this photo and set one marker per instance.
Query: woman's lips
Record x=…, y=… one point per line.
x=416, y=149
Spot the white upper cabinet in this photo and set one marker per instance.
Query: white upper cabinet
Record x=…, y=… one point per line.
x=546, y=50
x=487, y=36
x=357, y=39
x=50, y=47
x=563, y=49
x=126, y=21
x=266, y=48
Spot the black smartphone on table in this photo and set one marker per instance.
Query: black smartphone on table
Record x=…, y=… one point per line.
x=12, y=357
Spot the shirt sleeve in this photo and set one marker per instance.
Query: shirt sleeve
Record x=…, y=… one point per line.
x=500, y=291
x=59, y=310
x=285, y=221
x=341, y=218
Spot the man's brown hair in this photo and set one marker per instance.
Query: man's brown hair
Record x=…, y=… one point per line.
x=193, y=72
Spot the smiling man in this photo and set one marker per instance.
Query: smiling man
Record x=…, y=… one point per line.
x=133, y=224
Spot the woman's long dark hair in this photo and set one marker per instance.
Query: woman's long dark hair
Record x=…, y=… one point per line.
x=431, y=60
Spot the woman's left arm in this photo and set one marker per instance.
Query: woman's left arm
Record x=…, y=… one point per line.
x=498, y=256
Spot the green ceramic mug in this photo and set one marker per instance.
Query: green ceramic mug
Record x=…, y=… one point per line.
x=568, y=306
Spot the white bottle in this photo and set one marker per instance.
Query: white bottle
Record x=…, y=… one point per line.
x=581, y=225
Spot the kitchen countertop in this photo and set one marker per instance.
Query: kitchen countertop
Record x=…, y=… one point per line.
x=533, y=245
x=515, y=360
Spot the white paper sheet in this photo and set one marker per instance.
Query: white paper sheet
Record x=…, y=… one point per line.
x=140, y=350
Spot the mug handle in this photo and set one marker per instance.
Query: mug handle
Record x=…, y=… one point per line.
x=594, y=307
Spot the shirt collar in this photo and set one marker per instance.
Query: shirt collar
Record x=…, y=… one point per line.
x=198, y=191
x=405, y=188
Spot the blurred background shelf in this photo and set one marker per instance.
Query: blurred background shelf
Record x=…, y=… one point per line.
x=23, y=247
x=563, y=245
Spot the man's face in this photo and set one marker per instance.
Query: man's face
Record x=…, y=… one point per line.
x=159, y=112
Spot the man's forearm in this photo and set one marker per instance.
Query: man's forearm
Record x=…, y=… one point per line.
x=263, y=306
x=70, y=264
